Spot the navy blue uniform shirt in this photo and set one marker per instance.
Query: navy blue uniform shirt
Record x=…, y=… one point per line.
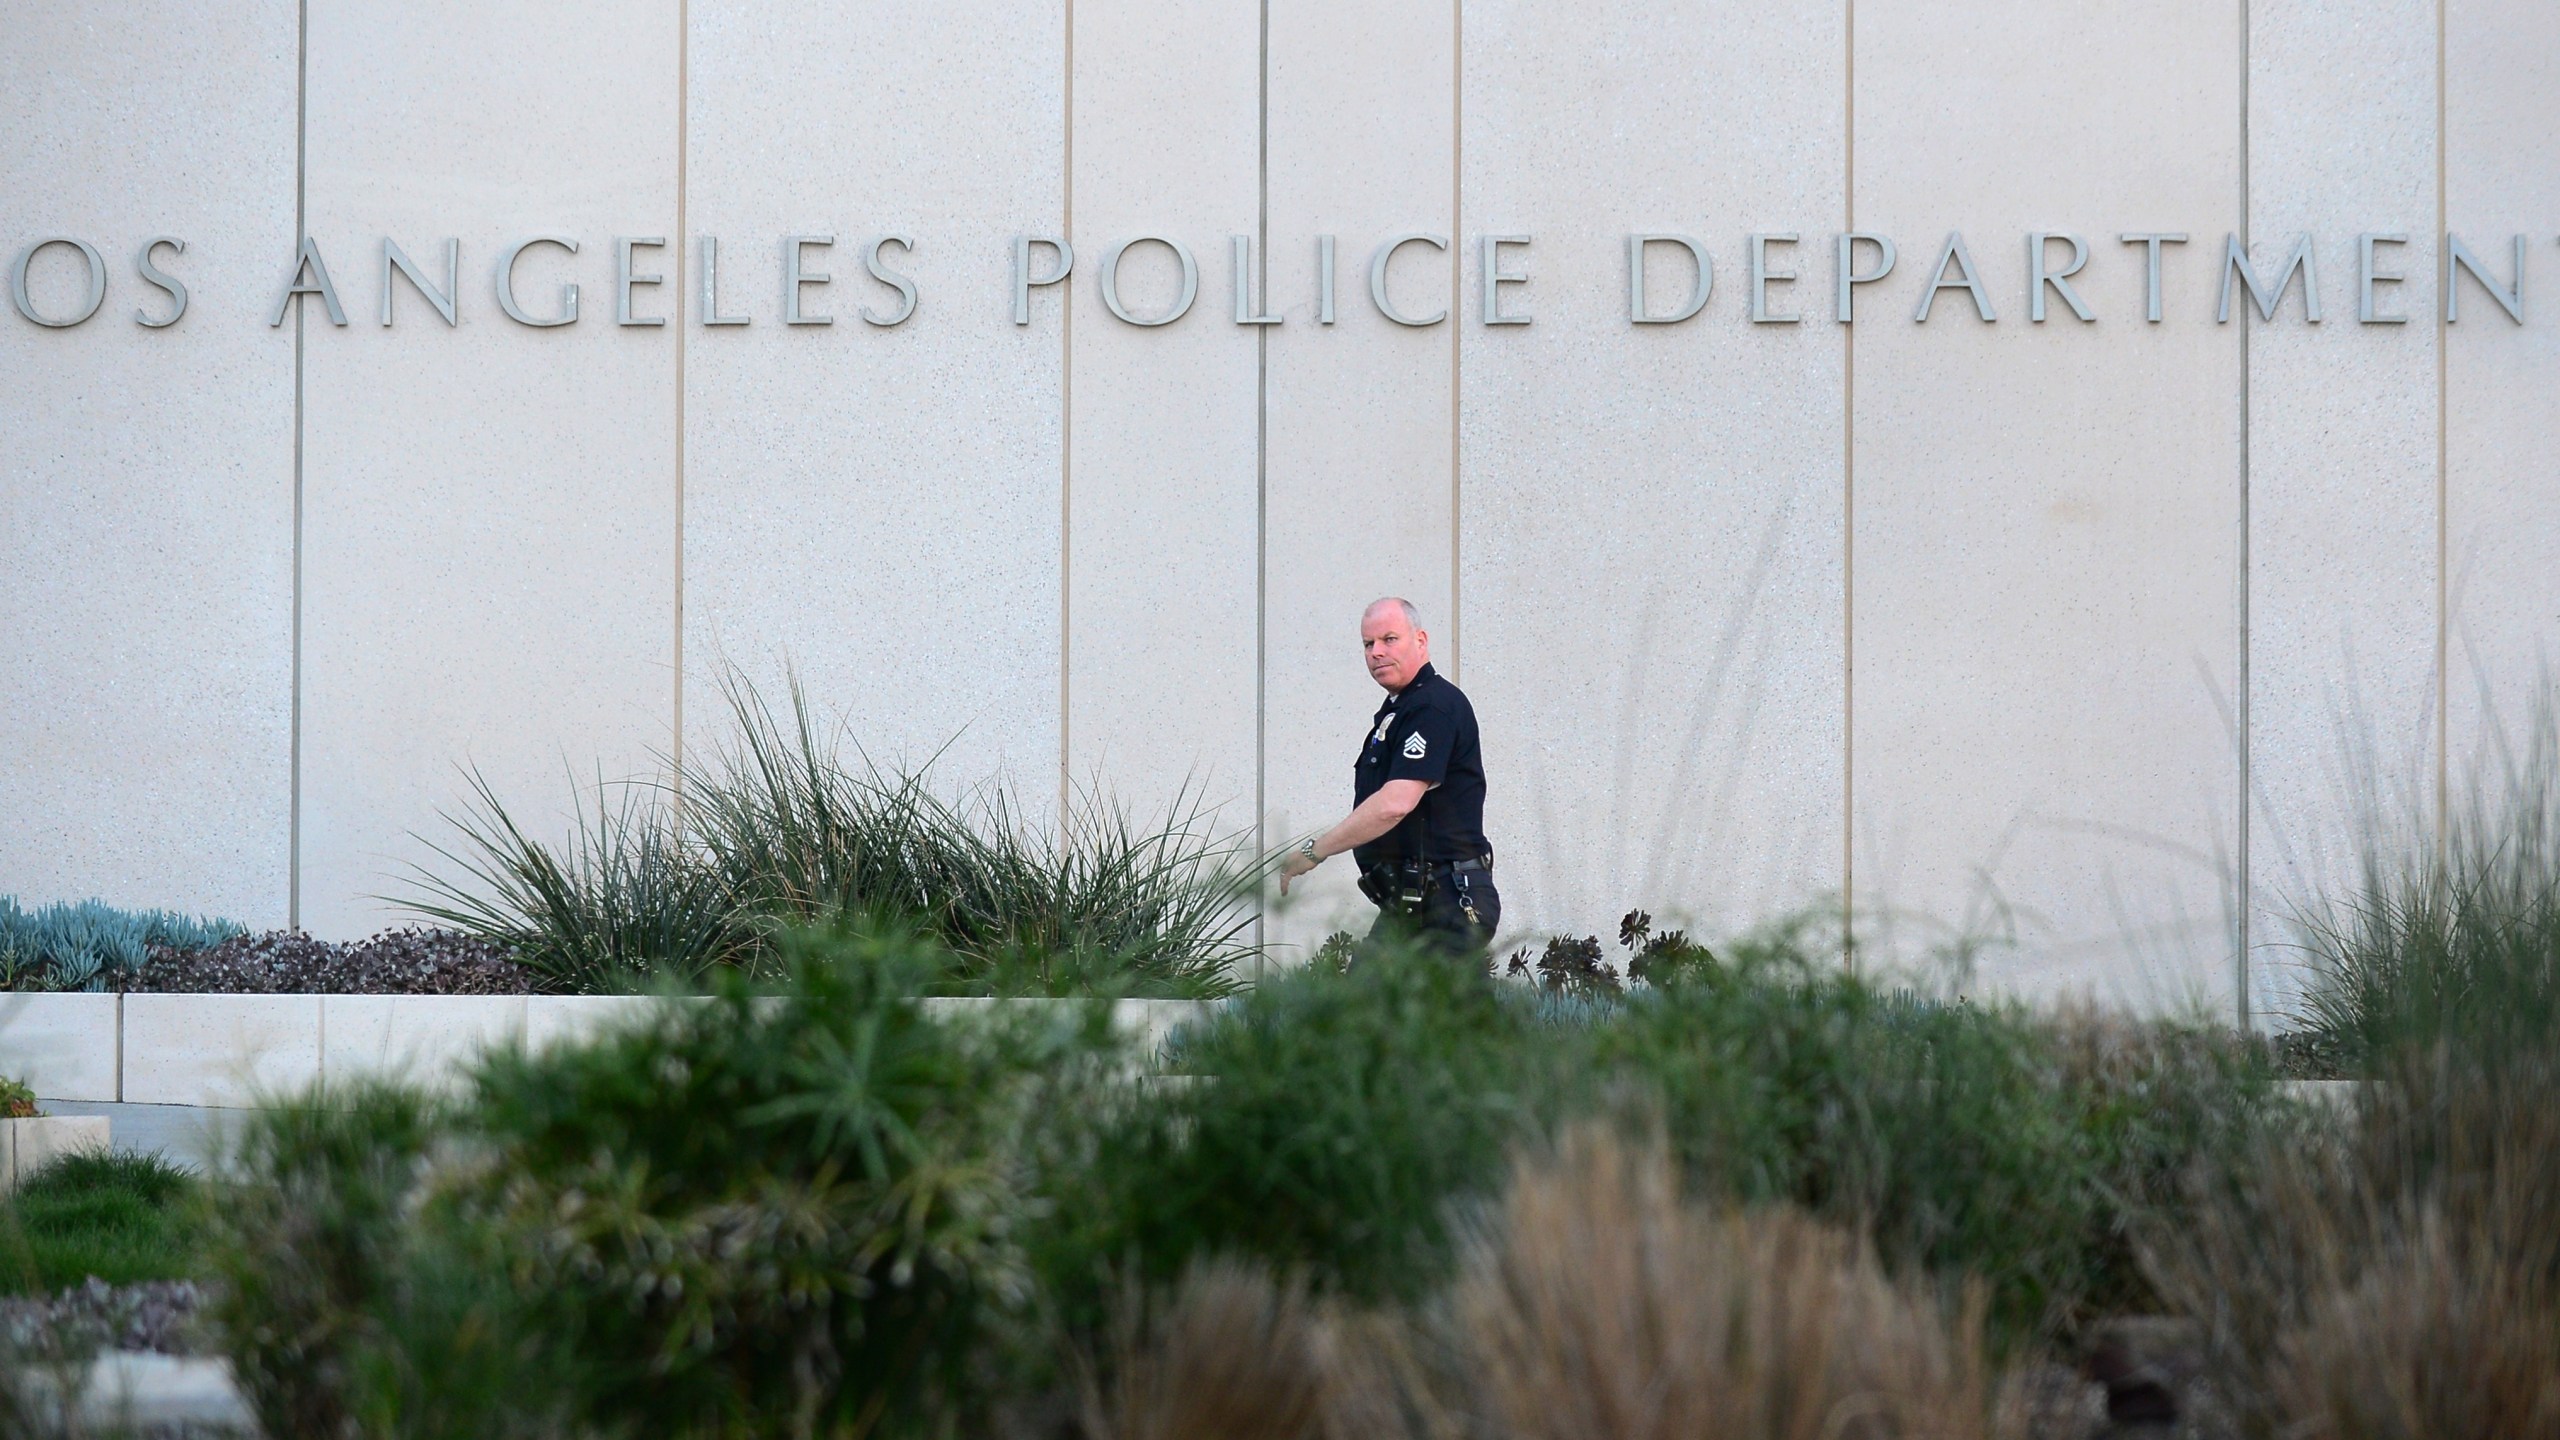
x=1426, y=732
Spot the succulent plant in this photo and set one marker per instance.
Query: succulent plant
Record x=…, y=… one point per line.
x=83, y=946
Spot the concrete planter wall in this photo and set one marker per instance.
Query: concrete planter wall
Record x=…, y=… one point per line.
x=239, y=1050
x=63, y=1045
x=26, y=1146
x=2331, y=1094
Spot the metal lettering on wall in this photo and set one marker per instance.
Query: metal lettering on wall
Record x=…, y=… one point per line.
x=61, y=282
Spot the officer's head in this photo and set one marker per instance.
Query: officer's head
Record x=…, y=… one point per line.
x=1394, y=642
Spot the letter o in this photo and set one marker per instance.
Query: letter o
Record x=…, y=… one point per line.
x=1111, y=280
x=507, y=285
x=97, y=281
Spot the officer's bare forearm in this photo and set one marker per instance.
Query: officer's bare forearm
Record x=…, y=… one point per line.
x=1376, y=816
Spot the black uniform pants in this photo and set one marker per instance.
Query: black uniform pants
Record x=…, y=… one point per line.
x=1456, y=915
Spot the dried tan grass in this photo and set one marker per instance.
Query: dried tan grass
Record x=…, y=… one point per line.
x=1229, y=1354
x=1593, y=1304
x=2394, y=1279
x=1596, y=1306
x=2427, y=1343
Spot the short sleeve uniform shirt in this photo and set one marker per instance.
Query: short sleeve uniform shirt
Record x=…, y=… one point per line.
x=1426, y=732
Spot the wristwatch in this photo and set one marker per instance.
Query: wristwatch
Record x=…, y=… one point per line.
x=1307, y=847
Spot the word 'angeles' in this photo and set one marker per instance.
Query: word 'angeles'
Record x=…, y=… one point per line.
x=1859, y=259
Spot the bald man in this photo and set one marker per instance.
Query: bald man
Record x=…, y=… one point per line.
x=1417, y=821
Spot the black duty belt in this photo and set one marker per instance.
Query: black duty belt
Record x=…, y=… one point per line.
x=1399, y=883
x=1433, y=870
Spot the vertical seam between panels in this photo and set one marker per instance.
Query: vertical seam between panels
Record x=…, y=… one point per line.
x=1262, y=476
x=684, y=144
x=301, y=231
x=1066, y=426
x=2244, y=887
x=1848, y=506
x=2444, y=473
x=1457, y=270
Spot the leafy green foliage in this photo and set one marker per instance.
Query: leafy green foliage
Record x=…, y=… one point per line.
x=775, y=828
x=118, y=1216
x=784, y=1213
x=89, y=945
x=17, y=1099
x=823, y=1210
x=345, y=1306
x=1572, y=966
x=1352, y=1111
x=1664, y=959
x=780, y=1217
x=1347, y=1110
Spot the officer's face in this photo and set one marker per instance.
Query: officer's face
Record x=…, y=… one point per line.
x=1395, y=648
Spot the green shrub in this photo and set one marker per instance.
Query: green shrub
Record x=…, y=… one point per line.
x=17, y=1099
x=119, y=1216
x=774, y=828
x=819, y=1211
x=88, y=946
x=799, y=1212
x=348, y=1304
x=1352, y=1116
x=1346, y=1111
x=1981, y=1139
x=785, y=1216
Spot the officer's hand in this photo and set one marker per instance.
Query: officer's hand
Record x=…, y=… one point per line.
x=1296, y=864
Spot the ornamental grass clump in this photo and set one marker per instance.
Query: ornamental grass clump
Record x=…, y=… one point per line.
x=1594, y=1304
x=1347, y=1112
x=115, y=1216
x=624, y=904
x=1590, y=1301
x=774, y=826
x=1965, y=1138
x=809, y=836
x=2394, y=1277
x=2458, y=940
x=2394, y=1271
x=1227, y=1351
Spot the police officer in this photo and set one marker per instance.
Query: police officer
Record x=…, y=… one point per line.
x=1417, y=822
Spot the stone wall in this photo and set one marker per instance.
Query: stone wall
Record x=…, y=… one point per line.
x=2091, y=633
